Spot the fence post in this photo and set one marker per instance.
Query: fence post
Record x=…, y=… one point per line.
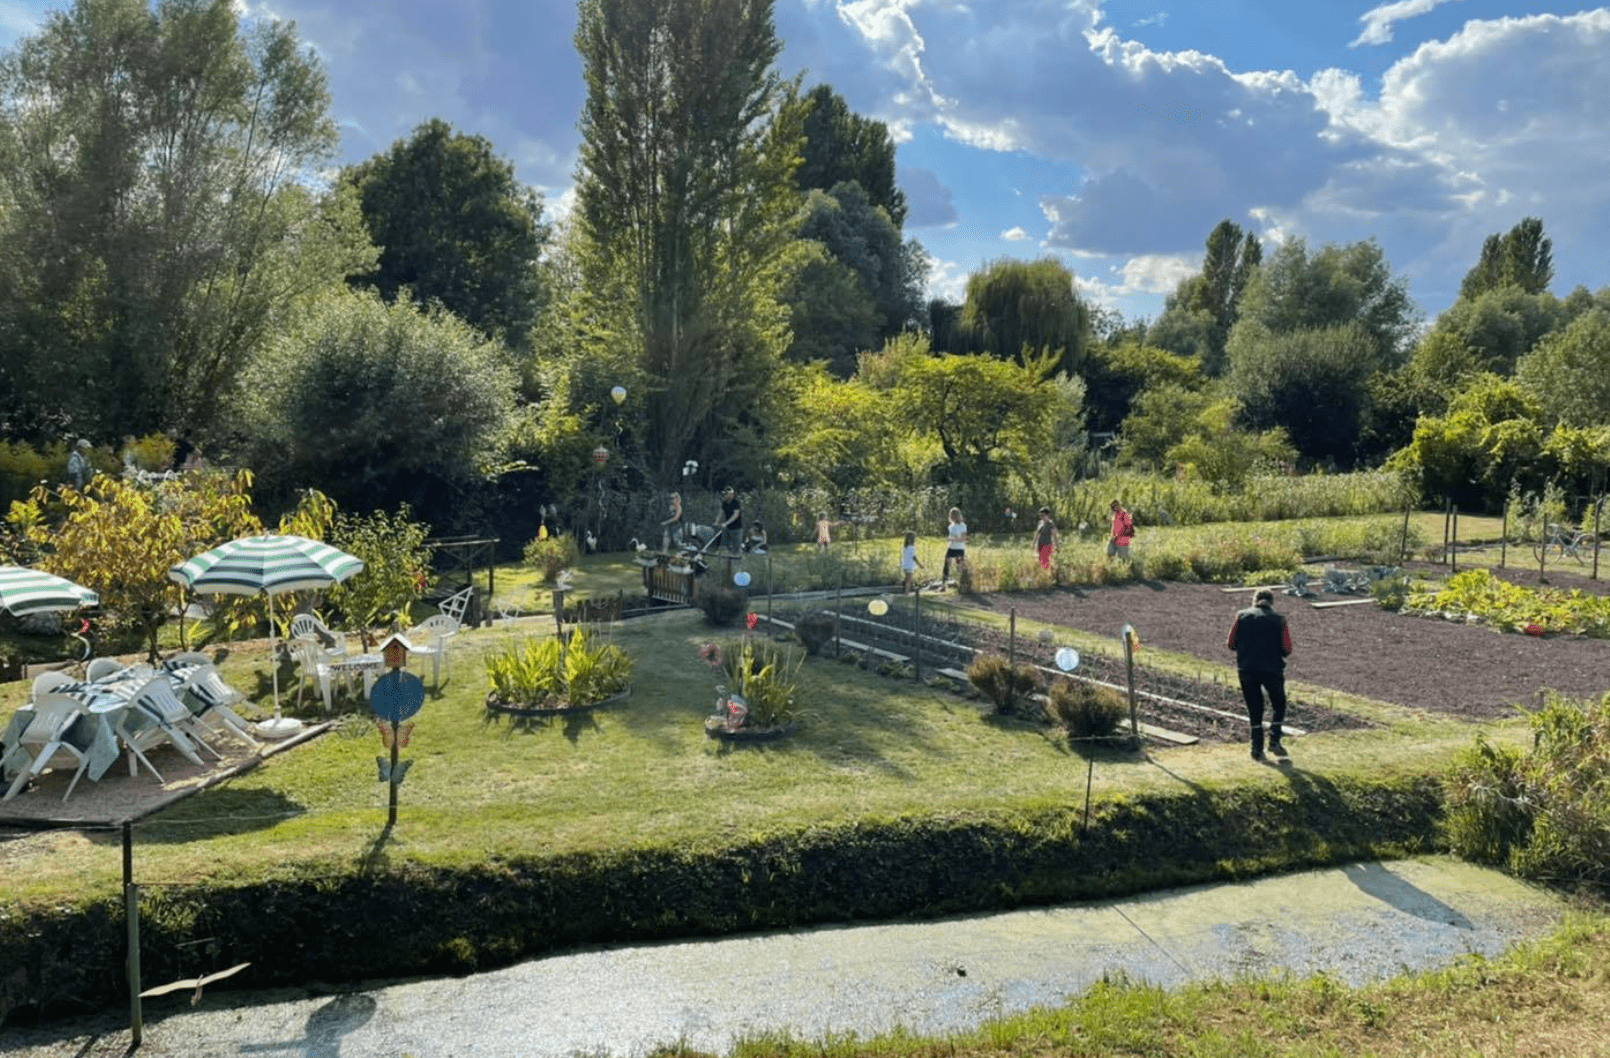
x=838, y=610
x=131, y=914
x=1403, y=541
x=1011, y=659
x=916, y=635
x=1129, y=670
x=1453, y=547
x=1503, y=539
x=1598, y=511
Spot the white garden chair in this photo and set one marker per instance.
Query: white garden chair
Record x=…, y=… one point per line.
x=313, y=665
x=457, y=604
x=203, y=689
x=100, y=668
x=49, y=681
x=54, y=713
x=430, y=638
x=307, y=627
x=155, y=716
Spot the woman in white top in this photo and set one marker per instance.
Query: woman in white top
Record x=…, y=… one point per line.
x=955, y=547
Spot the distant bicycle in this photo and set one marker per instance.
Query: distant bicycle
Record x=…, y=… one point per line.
x=1561, y=541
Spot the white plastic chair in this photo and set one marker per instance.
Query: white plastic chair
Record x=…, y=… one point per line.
x=430, y=640
x=306, y=626
x=456, y=604
x=49, y=681
x=210, y=698
x=154, y=716
x=100, y=668
x=313, y=665
x=54, y=713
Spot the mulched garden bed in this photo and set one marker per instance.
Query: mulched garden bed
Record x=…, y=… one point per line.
x=1467, y=670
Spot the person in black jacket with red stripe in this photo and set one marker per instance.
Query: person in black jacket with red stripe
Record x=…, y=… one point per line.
x=1262, y=641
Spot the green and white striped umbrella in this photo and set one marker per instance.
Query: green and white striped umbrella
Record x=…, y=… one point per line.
x=270, y=565
x=24, y=591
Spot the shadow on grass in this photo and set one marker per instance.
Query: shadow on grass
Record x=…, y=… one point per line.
x=223, y=810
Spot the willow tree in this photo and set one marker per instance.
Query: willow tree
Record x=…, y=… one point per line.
x=685, y=214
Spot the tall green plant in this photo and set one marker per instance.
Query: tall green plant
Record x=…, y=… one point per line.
x=767, y=675
x=396, y=565
x=550, y=671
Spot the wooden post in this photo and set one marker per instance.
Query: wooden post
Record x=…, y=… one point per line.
x=1503, y=538
x=916, y=633
x=1453, y=547
x=1598, y=512
x=1403, y=541
x=838, y=611
x=771, y=587
x=1090, y=774
x=1447, y=513
x=1011, y=659
x=1129, y=670
x=131, y=915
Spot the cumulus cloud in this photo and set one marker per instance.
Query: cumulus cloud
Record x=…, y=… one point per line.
x=928, y=201
x=1014, y=234
x=1462, y=137
x=1378, y=21
x=1145, y=274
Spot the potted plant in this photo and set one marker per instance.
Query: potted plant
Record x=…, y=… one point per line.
x=755, y=695
x=551, y=675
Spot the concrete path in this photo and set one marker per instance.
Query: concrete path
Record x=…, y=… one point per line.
x=1358, y=922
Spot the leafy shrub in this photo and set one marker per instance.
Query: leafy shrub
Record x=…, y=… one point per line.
x=1512, y=607
x=552, y=556
x=1087, y=710
x=550, y=672
x=722, y=605
x=1268, y=576
x=395, y=561
x=1541, y=813
x=815, y=631
x=999, y=681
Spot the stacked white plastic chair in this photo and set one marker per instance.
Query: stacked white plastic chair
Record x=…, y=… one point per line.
x=54, y=713
x=210, y=698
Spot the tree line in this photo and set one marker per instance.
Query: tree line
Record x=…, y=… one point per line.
x=174, y=254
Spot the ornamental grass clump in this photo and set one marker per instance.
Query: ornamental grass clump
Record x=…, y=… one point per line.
x=1004, y=684
x=553, y=673
x=759, y=681
x=1087, y=710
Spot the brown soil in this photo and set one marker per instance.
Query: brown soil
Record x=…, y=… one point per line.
x=1467, y=670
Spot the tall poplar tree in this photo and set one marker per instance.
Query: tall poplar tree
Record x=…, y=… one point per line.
x=685, y=215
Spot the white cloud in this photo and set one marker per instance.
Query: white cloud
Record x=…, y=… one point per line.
x=1159, y=19
x=1015, y=234
x=1145, y=274
x=947, y=280
x=1378, y=21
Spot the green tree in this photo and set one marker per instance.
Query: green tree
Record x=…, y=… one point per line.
x=834, y=318
x=1311, y=383
x=120, y=539
x=379, y=404
x=1522, y=258
x=1023, y=310
x=1160, y=417
x=157, y=221
x=685, y=212
x=1569, y=371
x=1117, y=374
x=395, y=563
x=1224, y=454
x=454, y=225
x=1489, y=439
x=1295, y=290
x=842, y=147
x=1500, y=326
x=861, y=237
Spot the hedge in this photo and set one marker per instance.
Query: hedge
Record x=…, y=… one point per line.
x=412, y=919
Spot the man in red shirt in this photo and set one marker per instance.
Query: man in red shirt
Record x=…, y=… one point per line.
x=1123, y=531
x=1262, y=641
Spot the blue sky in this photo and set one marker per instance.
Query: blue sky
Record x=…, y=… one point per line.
x=1113, y=134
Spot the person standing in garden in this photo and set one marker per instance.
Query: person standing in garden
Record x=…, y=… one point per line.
x=908, y=561
x=732, y=518
x=955, y=548
x=671, y=528
x=1123, y=532
x=1262, y=642
x=1045, y=538
x=79, y=468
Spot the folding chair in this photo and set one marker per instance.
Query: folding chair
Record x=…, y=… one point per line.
x=154, y=716
x=430, y=640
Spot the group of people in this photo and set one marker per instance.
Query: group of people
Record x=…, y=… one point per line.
x=729, y=530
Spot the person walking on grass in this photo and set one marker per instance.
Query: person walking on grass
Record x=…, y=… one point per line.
x=908, y=561
x=732, y=518
x=1045, y=538
x=1262, y=642
x=955, y=548
x=1123, y=532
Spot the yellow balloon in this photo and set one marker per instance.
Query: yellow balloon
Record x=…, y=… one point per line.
x=877, y=607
